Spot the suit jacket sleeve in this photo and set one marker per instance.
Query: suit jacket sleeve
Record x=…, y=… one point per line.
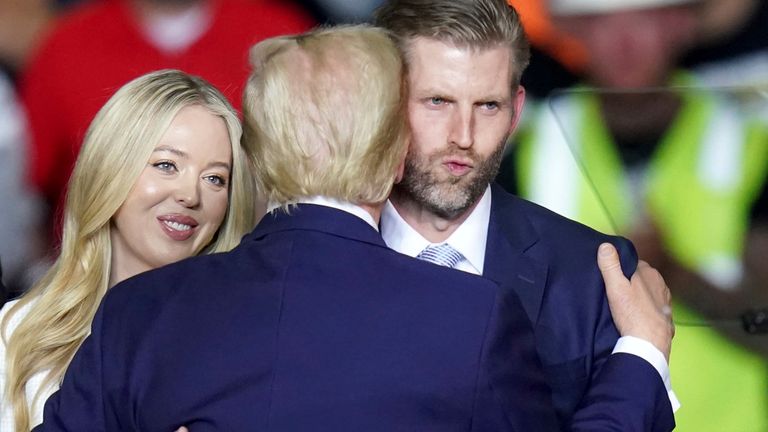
x=78, y=405
x=606, y=333
x=512, y=391
x=627, y=394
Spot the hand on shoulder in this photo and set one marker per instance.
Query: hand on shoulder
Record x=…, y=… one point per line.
x=640, y=306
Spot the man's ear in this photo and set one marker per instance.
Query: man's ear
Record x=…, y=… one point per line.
x=518, y=101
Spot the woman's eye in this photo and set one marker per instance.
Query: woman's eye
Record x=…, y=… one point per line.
x=216, y=180
x=167, y=166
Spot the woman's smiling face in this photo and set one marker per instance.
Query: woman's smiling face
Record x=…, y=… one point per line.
x=180, y=199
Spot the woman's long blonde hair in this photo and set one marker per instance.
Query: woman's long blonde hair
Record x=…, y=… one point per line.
x=116, y=148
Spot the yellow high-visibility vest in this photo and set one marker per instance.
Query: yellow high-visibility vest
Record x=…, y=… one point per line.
x=698, y=188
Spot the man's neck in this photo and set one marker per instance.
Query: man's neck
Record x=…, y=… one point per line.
x=434, y=228
x=369, y=212
x=374, y=210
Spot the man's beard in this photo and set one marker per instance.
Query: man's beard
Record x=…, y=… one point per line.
x=440, y=193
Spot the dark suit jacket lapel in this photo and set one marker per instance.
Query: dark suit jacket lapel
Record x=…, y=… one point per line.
x=318, y=218
x=510, y=236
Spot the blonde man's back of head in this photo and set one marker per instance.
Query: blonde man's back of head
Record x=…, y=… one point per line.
x=324, y=115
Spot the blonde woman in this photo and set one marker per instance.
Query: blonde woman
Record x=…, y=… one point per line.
x=161, y=176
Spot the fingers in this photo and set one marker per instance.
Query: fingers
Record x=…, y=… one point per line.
x=650, y=280
x=640, y=307
x=653, y=282
x=610, y=266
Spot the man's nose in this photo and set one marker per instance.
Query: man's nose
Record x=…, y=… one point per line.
x=461, y=133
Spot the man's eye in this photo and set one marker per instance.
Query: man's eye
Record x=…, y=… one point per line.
x=490, y=105
x=436, y=100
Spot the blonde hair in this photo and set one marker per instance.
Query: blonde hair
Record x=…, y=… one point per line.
x=324, y=115
x=476, y=24
x=116, y=148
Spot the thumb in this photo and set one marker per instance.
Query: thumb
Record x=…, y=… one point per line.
x=610, y=266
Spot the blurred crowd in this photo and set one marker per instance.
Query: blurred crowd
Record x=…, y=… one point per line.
x=651, y=116
x=60, y=60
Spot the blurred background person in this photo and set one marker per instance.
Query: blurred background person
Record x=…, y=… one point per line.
x=22, y=24
x=161, y=177
x=733, y=43
x=556, y=57
x=731, y=46
x=341, y=11
x=18, y=208
x=678, y=172
x=96, y=47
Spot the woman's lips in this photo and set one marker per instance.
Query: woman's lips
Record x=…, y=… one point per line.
x=178, y=227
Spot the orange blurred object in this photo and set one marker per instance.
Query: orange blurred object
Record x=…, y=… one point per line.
x=544, y=35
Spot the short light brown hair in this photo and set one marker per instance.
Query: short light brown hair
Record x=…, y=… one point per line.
x=324, y=115
x=476, y=24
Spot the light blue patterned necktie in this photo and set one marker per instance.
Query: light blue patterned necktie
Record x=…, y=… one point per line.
x=442, y=254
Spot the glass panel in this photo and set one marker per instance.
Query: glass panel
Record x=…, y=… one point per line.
x=682, y=172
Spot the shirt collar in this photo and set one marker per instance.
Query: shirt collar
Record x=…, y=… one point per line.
x=469, y=238
x=337, y=204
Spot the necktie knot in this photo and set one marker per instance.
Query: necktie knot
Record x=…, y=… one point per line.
x=442, y=254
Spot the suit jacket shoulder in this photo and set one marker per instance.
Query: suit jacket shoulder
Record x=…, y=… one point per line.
x=565, y=300
x=554, y=233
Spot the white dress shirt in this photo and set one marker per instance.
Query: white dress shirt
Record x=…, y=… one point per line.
x=33, y=385
x=470, y=239
x=337, y=204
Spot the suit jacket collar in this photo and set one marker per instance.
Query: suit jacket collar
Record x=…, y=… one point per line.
x=511, y=219
x=319, y=218
x=508, y=258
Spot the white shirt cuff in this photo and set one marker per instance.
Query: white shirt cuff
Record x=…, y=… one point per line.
x=646, y=351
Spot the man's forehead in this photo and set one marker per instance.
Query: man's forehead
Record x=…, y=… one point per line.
x=438, y=64
x=431, y=42
x=424, y=50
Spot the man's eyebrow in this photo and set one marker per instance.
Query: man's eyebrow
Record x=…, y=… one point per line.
x=435, y=92
x=427, y=90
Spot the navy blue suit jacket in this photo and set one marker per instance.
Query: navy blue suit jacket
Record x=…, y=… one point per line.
x=551, y=262
x=311, y=324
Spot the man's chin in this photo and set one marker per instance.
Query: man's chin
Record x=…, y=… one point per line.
x=457, y=181
x=448, y=204
x=447, y=212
